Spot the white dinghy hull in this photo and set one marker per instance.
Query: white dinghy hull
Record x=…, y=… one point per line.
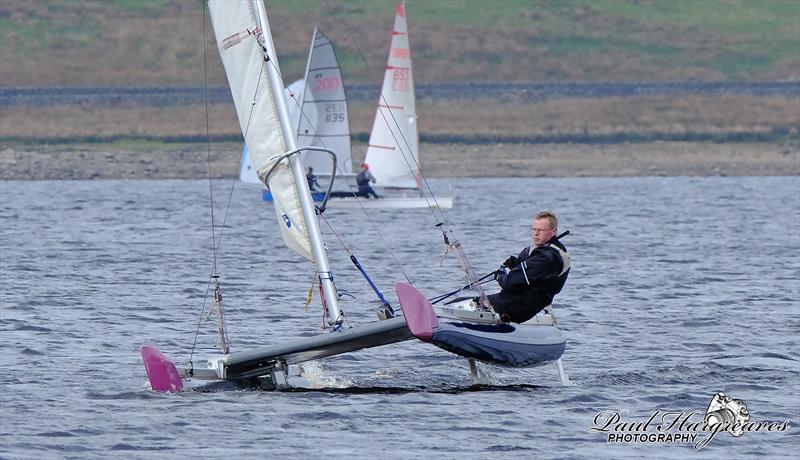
x=402, y=201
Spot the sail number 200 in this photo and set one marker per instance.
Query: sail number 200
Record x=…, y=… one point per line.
x=326, y=83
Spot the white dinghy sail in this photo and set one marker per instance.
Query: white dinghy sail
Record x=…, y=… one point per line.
x=324, y=119
x=393, y=151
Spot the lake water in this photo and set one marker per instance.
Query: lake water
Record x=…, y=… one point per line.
x=680, y=288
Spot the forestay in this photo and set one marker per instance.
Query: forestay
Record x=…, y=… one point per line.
x=236, y=29
x=393, y=149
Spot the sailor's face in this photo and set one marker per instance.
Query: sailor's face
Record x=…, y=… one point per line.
x=542, y=232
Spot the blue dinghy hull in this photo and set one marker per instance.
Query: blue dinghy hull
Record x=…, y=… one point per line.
x=512, y=345
x=504, y=344
x=266, y=195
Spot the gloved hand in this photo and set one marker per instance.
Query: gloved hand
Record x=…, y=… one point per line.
x=500, y=273
x=511, y=262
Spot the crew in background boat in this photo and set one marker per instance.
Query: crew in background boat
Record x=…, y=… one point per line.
x=363, y=179
x=312, y=179
x=530, y=280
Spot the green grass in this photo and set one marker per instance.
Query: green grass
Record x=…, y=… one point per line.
x=762, y=32
x=733, y=17
x=39, y=35
x=728, y=40
x=348, y=61
x=483, y=15
x=139, y=6
x=740, y=65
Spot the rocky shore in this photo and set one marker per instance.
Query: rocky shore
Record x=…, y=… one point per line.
x=190, y=161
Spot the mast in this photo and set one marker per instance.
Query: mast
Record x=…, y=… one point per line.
x=302, y=98
x=411, y=108
x=330, y=295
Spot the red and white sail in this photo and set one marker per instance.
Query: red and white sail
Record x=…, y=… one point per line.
x=393, y=152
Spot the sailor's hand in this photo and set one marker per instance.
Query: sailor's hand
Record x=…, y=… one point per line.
x=511, y=262
x=500, y=273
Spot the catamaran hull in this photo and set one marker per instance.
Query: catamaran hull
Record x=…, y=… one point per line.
x=248, y=369
x=502, y=344
x=513, y=345
x=403, y=202
x=259, y=362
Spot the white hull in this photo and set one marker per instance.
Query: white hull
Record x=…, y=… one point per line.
x=411, y=200
x=391, y=203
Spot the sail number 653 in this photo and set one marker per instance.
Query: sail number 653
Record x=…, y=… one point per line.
x=400, y=79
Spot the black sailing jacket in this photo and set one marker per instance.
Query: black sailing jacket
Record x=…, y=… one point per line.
x=535, y=280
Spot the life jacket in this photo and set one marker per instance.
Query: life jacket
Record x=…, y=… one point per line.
x=554, y=285
x=549, y=286
x=361, y=179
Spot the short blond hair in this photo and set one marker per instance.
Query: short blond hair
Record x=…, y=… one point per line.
x=549, y=216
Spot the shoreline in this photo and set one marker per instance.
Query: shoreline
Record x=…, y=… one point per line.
x=189, y=161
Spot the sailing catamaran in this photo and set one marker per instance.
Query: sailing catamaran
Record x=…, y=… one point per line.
x=465, y=328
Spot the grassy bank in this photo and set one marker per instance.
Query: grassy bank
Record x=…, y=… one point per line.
x=161, y=42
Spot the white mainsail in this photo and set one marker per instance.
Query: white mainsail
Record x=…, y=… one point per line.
x=236, y=27
x=324, y=121
x=247, y=171
x=393, y=151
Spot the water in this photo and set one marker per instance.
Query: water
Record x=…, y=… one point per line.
x=680, y=288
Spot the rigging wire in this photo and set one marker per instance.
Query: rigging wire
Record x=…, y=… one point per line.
x=347, y=248
x=216, y=240
x=210, y=188
x=208, y=153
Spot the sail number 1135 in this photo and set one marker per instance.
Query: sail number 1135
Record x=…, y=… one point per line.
x=335, y=112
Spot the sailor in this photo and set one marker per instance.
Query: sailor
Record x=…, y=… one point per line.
x=363, y=179
x=530, y=280
x=312, y=179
